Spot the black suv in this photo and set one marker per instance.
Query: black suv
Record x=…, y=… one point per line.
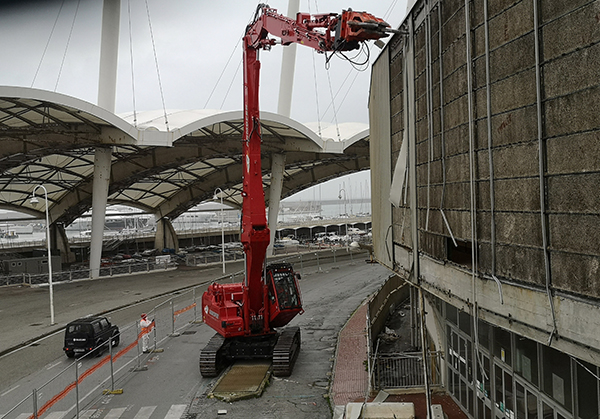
x=89, y=334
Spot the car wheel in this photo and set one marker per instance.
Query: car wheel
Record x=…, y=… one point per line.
x=70, y=354
x=99, y=349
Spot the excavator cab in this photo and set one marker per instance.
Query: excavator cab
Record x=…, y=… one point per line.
x=284, y=294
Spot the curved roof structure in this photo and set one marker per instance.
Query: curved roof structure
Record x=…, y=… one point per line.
x=50, y=139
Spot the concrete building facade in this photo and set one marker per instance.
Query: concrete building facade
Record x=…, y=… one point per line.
x=485, y=162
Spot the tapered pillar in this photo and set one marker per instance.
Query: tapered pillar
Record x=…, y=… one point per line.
x=107, y=85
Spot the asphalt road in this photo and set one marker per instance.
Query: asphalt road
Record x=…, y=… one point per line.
x=169, y=383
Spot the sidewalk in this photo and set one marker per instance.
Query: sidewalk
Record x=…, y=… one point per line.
x=350, y=376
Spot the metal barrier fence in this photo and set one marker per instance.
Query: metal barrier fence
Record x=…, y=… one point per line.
x=85, y=379
x=149, y=265
x=65, y=276
x=284, y=251
x=405, y=370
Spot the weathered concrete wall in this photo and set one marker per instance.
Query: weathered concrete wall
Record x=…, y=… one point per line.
x=455, y=149
x=506, y=132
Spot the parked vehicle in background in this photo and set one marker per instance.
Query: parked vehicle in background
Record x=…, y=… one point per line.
x=90, y=334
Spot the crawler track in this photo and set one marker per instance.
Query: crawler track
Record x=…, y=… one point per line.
x=286, y=351
x=211, y=357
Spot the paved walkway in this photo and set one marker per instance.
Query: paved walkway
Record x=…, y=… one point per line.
x=351, y=379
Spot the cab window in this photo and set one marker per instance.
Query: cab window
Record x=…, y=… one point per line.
x=285, y=287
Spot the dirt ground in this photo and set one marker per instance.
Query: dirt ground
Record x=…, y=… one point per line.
x=398, y=323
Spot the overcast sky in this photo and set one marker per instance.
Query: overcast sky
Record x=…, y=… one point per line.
x=55, y=45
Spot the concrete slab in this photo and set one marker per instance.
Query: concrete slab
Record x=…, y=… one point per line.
x=438, y=411
x=380, y=410
x=381, y=396
x=243, y=380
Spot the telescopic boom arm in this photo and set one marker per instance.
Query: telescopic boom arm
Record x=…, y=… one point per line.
x=324, y=33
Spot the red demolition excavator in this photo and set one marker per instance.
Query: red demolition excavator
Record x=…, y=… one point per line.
x=246, y=315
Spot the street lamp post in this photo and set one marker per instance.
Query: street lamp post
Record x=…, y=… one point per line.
x=219, y=190
x=34, y=201
x=346, y=214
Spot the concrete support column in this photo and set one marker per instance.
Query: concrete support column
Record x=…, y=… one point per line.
x=166, y=237
x=288, y=66
x=109, y=51
x=102, y=162
x=277, y=171
x=107, y=86
x=284, y=107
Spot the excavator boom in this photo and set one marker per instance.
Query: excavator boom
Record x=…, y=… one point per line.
x=244, y=315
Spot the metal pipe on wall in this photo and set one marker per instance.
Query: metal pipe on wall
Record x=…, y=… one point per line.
x=489, y=135
x=541, y=160
x=429, y=108
x=468, y=65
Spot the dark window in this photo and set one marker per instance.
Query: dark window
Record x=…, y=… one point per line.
x=484, y=334
x=452, y=314
x=461, y=253
x=587, y=388
x=483, y=377
x=532, y=406
x=96, y=327
x=104, y=323
x=464, y=322
x=557, y=376
x=520, y=401
x=502, y=348
x=526, y=360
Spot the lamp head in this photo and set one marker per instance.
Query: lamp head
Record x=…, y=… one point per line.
x=34, y=201
x=215, y=197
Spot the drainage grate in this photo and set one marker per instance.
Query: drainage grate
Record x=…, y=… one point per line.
x=189, y=332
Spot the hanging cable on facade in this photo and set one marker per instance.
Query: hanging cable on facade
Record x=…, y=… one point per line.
x=237, y=70
x=67, y=46
x=338, y=91
x=235, y=49
x=47, y=44
x=316, y=94
x=320, y=130
x=162, y=96
x=337, y=126
x=131, y=62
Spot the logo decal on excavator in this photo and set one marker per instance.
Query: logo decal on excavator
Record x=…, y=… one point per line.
x=212, y=313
